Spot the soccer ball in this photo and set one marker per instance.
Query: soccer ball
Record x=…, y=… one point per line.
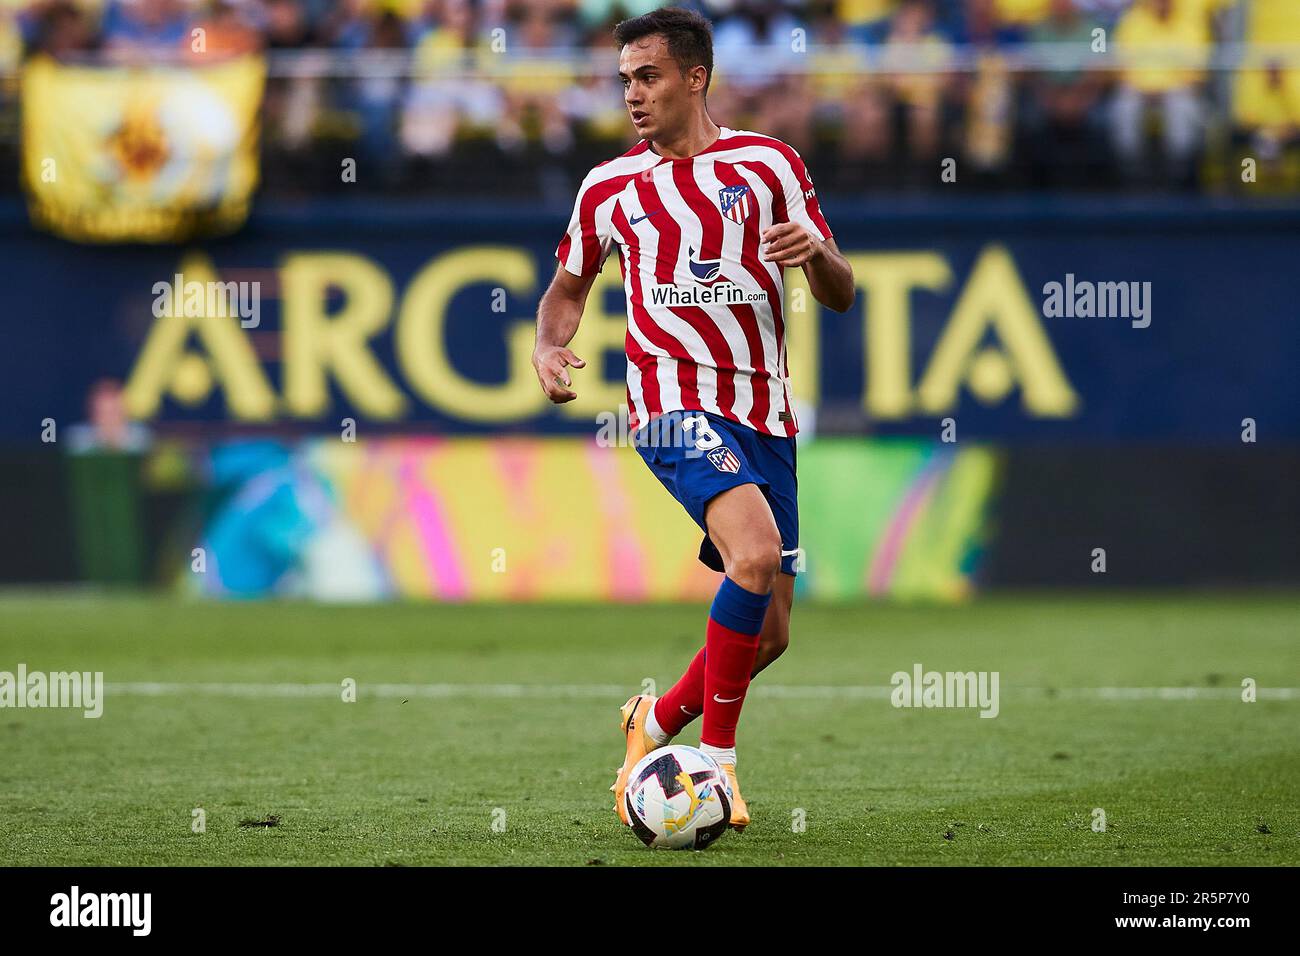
x=679, y=798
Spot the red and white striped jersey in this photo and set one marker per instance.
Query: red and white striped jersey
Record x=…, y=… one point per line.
x=705, y=330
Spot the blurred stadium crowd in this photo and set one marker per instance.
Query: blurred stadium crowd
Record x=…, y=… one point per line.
x=519, y=96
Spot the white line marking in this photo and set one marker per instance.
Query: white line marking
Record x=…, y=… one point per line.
x=597, y=691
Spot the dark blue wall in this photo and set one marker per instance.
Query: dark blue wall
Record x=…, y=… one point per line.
x=1222, y=345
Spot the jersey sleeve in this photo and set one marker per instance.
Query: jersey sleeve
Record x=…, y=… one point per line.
x=589, y=237
x=801, y=204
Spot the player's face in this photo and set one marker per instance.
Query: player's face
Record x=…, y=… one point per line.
x=657, y=95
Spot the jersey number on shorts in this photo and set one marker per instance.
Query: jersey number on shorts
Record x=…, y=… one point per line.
x=705, y=437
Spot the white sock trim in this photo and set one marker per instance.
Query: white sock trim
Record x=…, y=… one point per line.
x=720, y=754
x=657, y=733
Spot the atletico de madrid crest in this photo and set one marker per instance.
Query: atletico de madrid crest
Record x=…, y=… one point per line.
x=724, y=459
x=736, y=202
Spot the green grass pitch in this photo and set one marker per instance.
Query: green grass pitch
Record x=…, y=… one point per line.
x=510, y=721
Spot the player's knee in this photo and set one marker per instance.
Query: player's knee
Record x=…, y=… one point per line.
x=755, y=566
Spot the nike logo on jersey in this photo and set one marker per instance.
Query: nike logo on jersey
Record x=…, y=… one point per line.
x=688, y=713
x=635, y=219
x=729, y=700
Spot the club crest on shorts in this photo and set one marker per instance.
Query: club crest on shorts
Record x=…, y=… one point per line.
x=735, y=202
x=723, y=460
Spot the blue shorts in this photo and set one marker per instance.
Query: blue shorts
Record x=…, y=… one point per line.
x=698, y=455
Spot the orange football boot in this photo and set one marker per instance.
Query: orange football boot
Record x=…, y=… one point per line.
x=739, y=809
x=631, y=721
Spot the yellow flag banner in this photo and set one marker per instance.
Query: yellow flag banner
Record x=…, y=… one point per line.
x=140, y=154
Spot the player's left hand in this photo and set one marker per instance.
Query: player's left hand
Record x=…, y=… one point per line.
x=789, y=245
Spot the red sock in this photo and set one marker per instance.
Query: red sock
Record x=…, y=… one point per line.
x=726, y=679
x=732, y=644
x=684, y=701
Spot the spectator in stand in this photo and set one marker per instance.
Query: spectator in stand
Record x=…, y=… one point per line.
x=594, y=103
x=11, y=46
x=534, y=76
x=866, y=21
x=57, y=28
x=1163, y=45
x=857, y=102
x=509, y=73
x=448, y=92
x=108, y=426
x=1209, y=12
x=979, y=23
x=1266, y=98
x=1018, y=17
x=351, y=24
x=768, y=92
x=292, y=105
x=603, y=14
x=146, y=30
x=1062, y=103
x=914, y=65
x=286, y=26
x=373, y=97
x=380, y=95
x=986, y=93
x=228, y=30
x=1104, y=12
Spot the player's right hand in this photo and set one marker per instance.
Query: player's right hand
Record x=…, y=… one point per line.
x=551, y=364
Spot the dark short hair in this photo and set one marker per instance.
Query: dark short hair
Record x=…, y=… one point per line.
x=688, y=34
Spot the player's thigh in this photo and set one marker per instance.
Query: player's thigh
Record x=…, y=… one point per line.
x=741, y=525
